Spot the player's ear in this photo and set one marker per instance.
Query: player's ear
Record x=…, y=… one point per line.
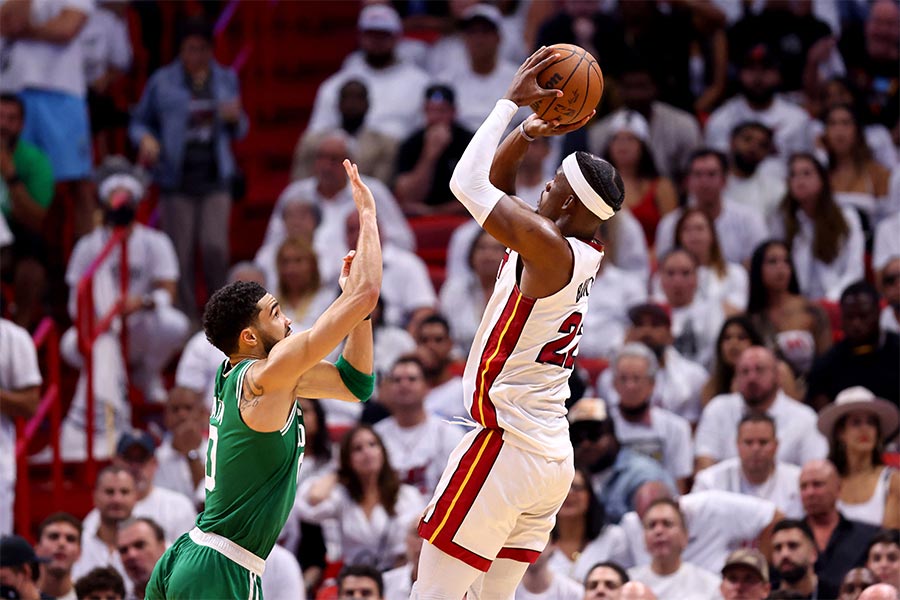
x=248, y=336
x=568, y=202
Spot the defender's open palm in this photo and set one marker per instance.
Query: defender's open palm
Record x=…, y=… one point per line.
x=362, y=195
x=524, y=89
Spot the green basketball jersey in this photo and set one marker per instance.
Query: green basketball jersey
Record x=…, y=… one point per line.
x=251, y=477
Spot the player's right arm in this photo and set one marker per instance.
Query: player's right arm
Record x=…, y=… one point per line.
x=278, y=375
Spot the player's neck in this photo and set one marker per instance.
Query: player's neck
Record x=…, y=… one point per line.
x=250, y=353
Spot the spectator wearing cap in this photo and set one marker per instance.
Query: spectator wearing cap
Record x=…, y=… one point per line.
x=174, y=512
x=20, y=567
x=745, y=576
x=156, y=329
x=840, y=543
x=101, y=583
x=396, y=88
x=59, y=541
x=184, y=124
x=26, y=192
x=717, y=522
x=856, y=426
x=739, y=229
x=616, y=472
x=484, y=75
x=655, y=432
x=141, y=543
x=755, y=179
x=648, y=195
x=329, y=190
x=759, y=80
x=794, y=556
x=44, y=64
x=673, y=133
x=20, y=387
x=375, y=151
x=114, y=498
x=426, y=159
x=679, y=379
x=668, y=575
x=866, y=356
x=755, y=470
x=758, y=390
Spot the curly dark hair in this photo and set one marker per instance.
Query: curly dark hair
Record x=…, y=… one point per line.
x=388, y=480
x=603, y=177
x=101, y=579
x=229, y=310
x=759, y=295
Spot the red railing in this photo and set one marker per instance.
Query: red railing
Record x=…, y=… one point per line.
x=89, y=330
x=45, y=335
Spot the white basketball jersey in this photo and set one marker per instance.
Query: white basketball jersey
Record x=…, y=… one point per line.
x=517, y=374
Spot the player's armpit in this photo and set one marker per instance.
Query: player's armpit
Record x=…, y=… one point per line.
x=323, y=381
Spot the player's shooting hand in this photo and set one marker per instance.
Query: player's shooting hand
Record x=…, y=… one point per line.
x=362, y=195
x=524, y=89
x=345, y=268
x=535, y=126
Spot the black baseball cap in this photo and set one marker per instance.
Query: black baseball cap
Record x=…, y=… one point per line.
x=136, y=437
x=15, y=551
x=440, y=93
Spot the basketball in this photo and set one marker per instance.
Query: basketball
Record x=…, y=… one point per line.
x=578, y=75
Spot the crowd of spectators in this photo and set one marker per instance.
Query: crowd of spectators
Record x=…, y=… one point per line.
x=735, y=397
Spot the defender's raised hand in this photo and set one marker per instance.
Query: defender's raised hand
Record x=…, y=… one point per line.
x=524, y=88
x=362, y=195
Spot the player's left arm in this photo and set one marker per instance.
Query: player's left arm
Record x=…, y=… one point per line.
x=324, y=380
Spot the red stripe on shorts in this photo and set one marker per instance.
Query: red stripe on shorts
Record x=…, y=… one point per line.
x=456, y=500
x=519, y=554
x=501, y=342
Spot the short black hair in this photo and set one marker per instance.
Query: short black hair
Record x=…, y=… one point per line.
x=435, y=319
x=231, y=309
x=158, y=532
x=757, y=417
x=60, y=517
x=784, y=524
x=194, y=27
x=671, y=503
x=112, y=470
x=743, y=125
x=361, y=571
x=603, y=178
x=14, y=99
x=100, y=579
x=884, y=536
x=621, y=572
x=861, y=288
x=704, y=152
x=408, y=359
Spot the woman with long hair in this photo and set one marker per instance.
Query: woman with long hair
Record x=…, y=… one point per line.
x=300, y=292
x=826, y=240
x=738, y=334
x=719, y=280
x=648, y=195
x=583, y=536
x=857, y=179
x=366, y=498
x=789, y=322
x=856, y=425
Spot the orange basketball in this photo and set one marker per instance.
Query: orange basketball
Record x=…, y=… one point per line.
x=578, y=75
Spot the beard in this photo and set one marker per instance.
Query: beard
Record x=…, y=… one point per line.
x=744, y=165
x=794, y=574
x=631, y=412
x=758, y=97
x=269, y=341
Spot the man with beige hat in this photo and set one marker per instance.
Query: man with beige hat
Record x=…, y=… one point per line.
x=745, y=576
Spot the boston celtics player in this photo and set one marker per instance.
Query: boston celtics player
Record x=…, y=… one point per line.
x=256, y=433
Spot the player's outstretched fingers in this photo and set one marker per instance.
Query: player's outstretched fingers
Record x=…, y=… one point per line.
x=352, y=170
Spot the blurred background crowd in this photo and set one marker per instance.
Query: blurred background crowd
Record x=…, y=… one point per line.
x=734, y=407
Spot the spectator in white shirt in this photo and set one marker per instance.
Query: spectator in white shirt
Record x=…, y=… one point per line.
x=755, y=471
x=739, y=228
x=696, y=321
x=301, y=216
x=679, y=380
x=59, y=541
x=115, y=494
x=666, y=537
x=605, y=581
x=886, y=244
x=755, y=179
x=418, y=442
x=759, y=80
x=396, y=88
x=141, y=543
x=607, y=320
x=398, y=581
x=756, y=378
x=182, y=454
x=652, y=431
x=434, y=347
x=283, y=578
x=826, y=241
x=717, y=523
x=542, y=582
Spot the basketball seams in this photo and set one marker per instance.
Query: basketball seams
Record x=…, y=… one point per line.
x=579, y=77
x=567, y=80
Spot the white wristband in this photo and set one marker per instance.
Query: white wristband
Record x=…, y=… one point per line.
x=525, y=135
